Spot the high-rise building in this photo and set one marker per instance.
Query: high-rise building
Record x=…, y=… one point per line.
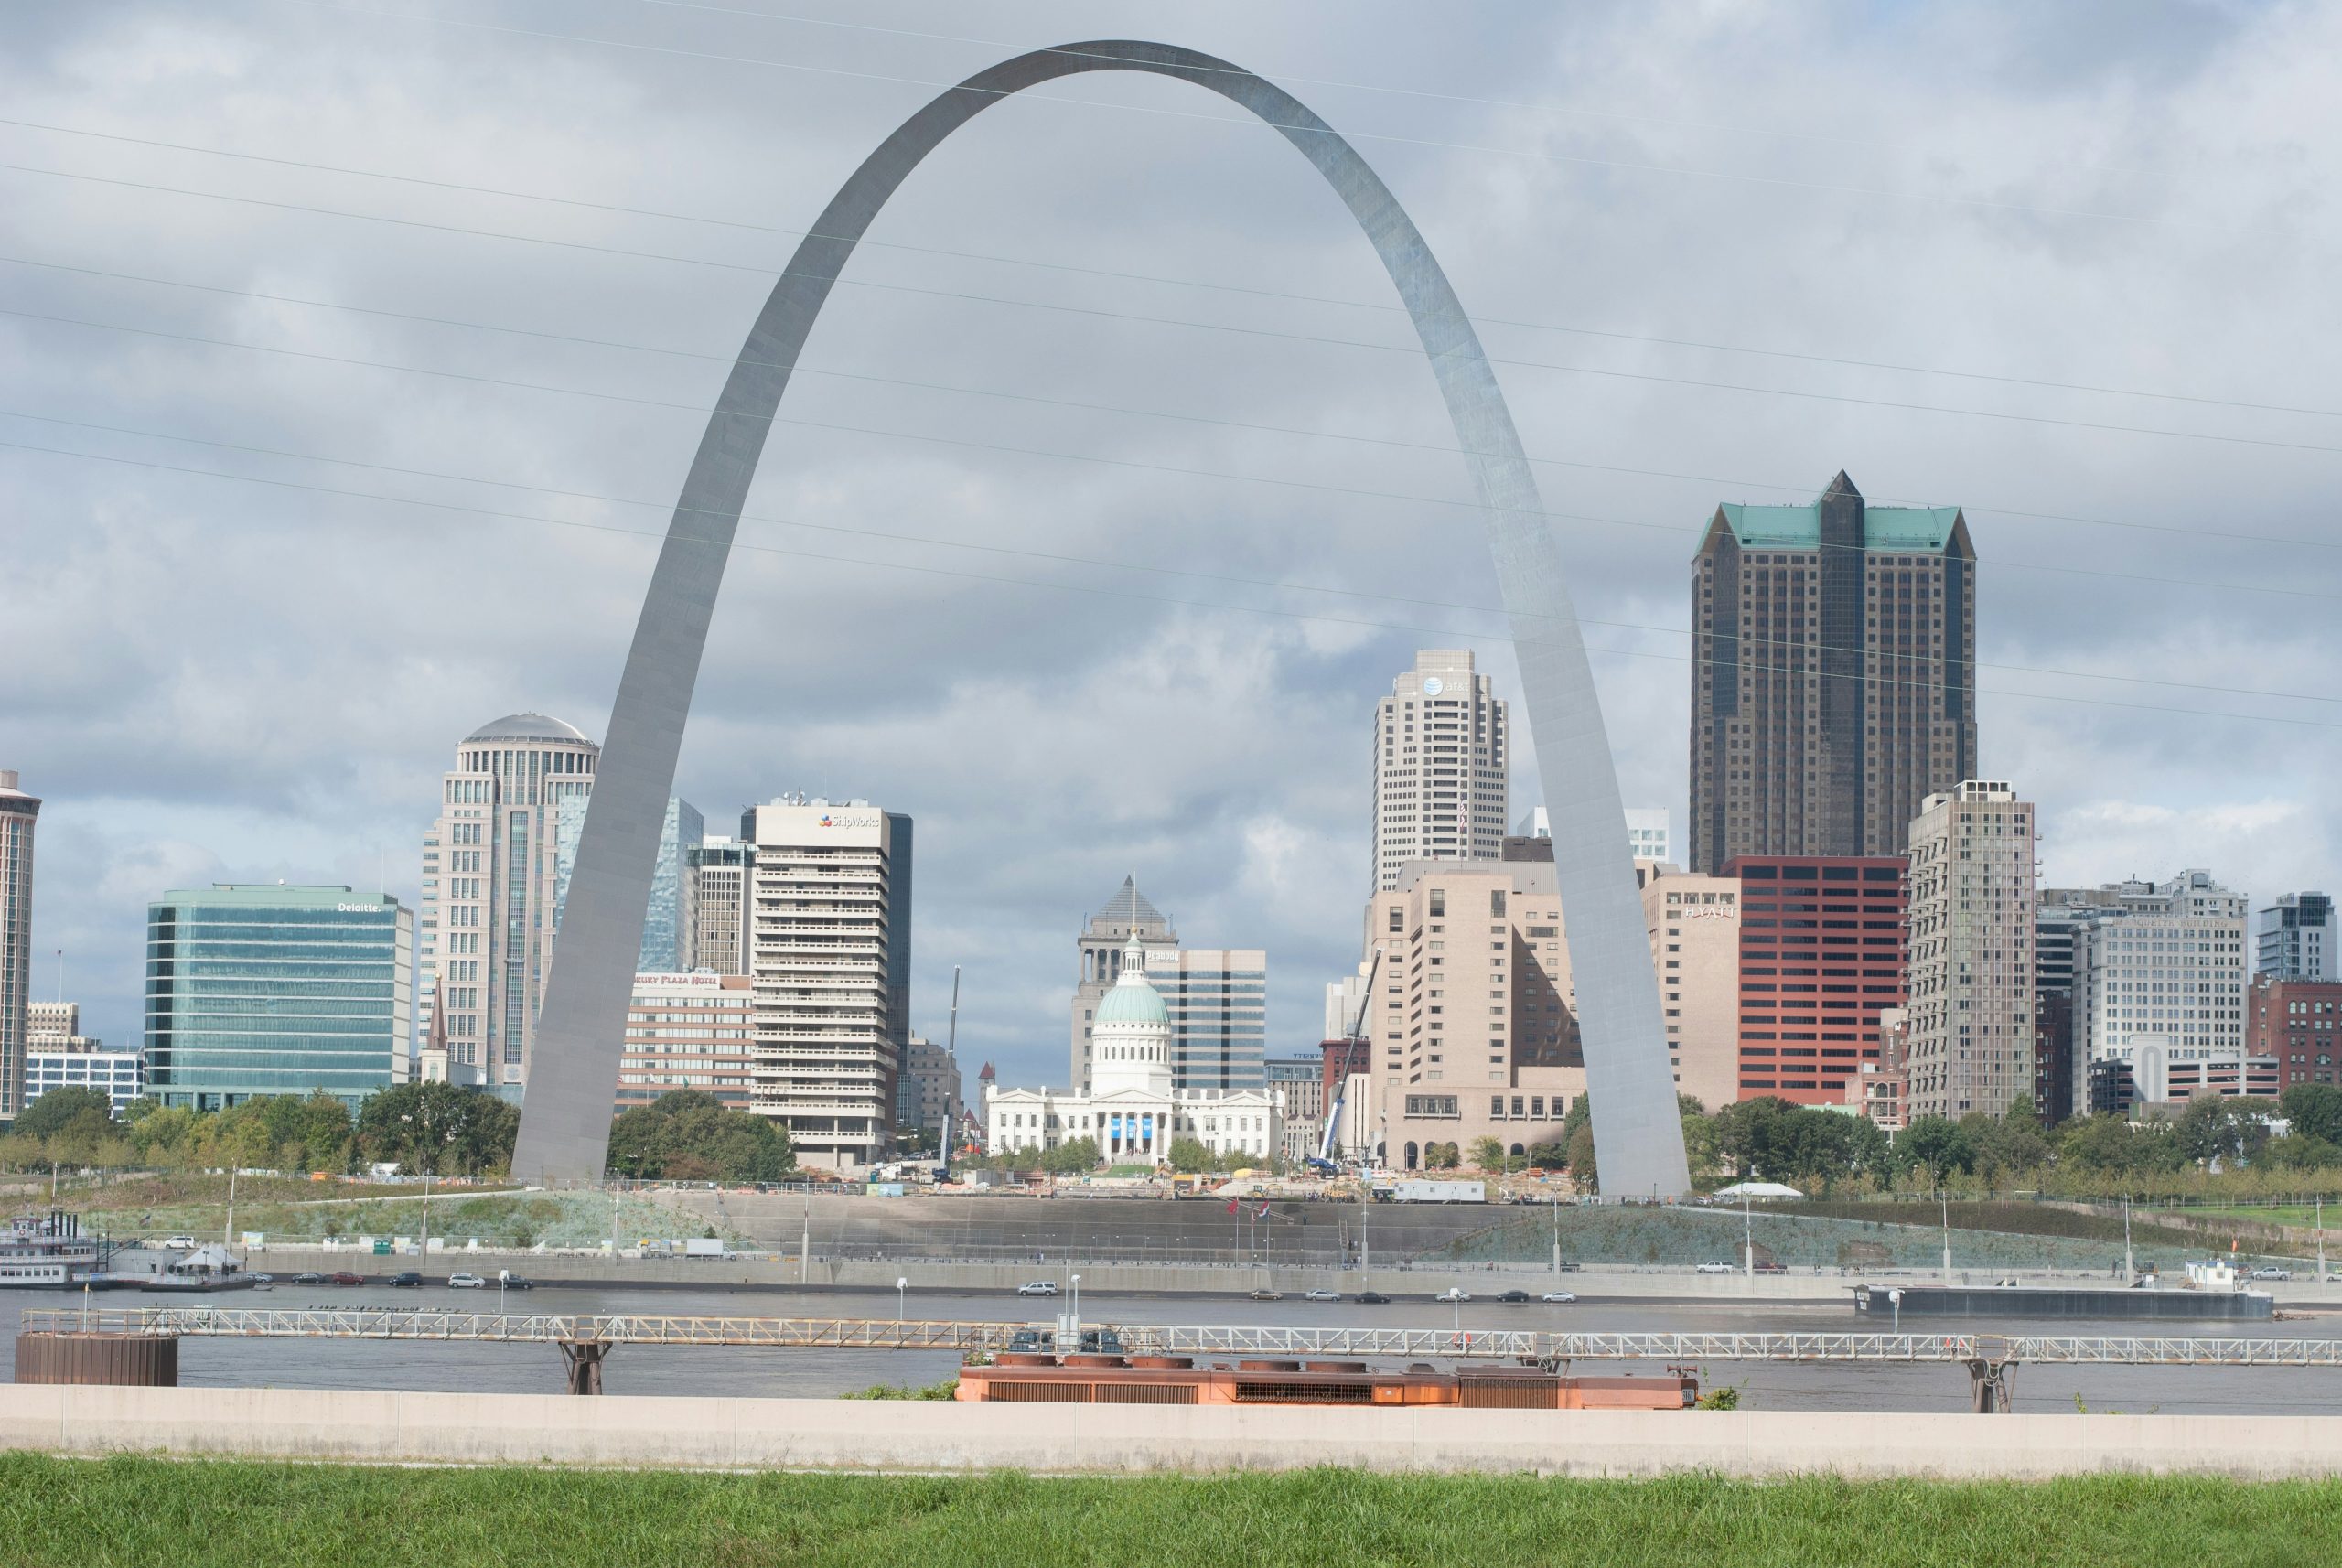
x=59, y=1056
x=258, y=990
x=1217, y=996
x=494, y=870
x=2159, y=979
x=669, y=931
x=1695, y=925
x=18, y=811
x=829, y=950
x=2297, y=1025
x=2293, y=938
x=1441, y=749
x=2058, y=1070
x=1821, y=957
x=1648, y=835
x=1473, y=1018
x=1832, y=675
x=928, y=1096
x=1970, y=963
x=690, y=1031
x=720, y=906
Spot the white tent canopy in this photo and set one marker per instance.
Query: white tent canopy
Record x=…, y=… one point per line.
x=1757, y=1189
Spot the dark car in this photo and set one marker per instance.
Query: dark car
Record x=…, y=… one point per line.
x=309, y=1279
x=1372, y=1298
x=344, y=1277
x=1515, y=1296
x=408, y=1281
x=518, y=1282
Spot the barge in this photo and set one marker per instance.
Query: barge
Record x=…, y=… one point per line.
x=1039, y=1377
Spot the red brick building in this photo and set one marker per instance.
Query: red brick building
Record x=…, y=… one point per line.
x=2299, y=1023
x=1821, y=947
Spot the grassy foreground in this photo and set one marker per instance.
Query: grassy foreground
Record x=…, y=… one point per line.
x=97, y=1514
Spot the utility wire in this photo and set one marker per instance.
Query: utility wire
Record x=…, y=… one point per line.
x=933, y=542
x=2223, y=535
x=969, y=444
x=1115, y=593
x=1646, y=376
x=1280, y=295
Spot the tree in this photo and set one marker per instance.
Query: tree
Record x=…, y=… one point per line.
x=1487, y=1154
x=688, y=1135
x=2215, y=1127
x=1937, y=1146
x=84, y=1110
x=1442, y=1156
x=1549, y=1156
x=442, y=1126
x=2316, y=1112
x=1077, y=1157
x=1189, y=1154
x=2298, y=1152
x=1581, y=1158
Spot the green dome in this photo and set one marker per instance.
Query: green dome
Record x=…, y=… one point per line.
x=1132, y=1001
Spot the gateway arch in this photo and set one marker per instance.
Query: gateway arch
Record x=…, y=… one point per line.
x=573, y=1076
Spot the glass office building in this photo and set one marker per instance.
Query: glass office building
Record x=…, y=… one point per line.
x=275, y=989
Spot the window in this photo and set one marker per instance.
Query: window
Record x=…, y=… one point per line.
x=1496, y=901
x=1438, y=902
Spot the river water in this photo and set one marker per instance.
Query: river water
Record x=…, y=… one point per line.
x=639, y=1369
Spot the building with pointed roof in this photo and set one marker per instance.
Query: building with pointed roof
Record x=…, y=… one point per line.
x=1217, y=997
x=1833, y=675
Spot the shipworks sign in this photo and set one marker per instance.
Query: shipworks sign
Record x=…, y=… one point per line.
x=847, y=820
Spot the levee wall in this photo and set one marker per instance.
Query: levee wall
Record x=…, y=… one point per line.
x=834, y=1435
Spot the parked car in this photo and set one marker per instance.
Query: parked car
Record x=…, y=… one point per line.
x=1372, y=1298
x=344, y=1277
x=1454, y=1294
x=310, y=1279
x=517, y=1282
x=177, y=1243
x=1559, y=1297
x=2271, y=1271
x=1717, y=1266
x=1321, y=1296
x=1038, y=1287
x=1265, y=1294
x=466, y=1282
x=407, y=1280
x=261, y=1281
x=1513, y=1298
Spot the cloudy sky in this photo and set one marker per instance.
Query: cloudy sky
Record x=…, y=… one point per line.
x=1120, y=493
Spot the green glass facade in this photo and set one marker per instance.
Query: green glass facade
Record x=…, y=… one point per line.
x=275, y=989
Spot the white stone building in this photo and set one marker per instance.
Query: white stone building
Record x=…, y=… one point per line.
x=1130, y=1108
x=2169, y=968
x=1440, y=752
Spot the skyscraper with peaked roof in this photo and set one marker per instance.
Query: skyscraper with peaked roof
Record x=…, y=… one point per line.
x=1833, y=673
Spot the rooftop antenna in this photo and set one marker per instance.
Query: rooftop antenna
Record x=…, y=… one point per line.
x=61, y=974
x=951, y=1051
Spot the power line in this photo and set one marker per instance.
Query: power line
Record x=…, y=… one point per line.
x=1088, y=588
x=932, y=542
x=968, y=444
x=1280, y=295
x=1995, y=415
x=2223, y=535
x=1251, y=122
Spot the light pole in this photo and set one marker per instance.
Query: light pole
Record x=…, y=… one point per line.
x=1945, y=1199
x=1074, y=1280
x=1748, y=1238
x=902, y=1283
x=2128, y=1274
x=1554, y=1202
x=2321, y=1238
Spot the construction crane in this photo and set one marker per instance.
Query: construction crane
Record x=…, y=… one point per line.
x=1357, y=1038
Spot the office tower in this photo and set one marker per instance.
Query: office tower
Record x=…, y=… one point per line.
x=1821, y=956
x=1647, y=833
x=670, y=940
x=59, y=1056
x=2058, y=918
x=1695, y=925
x=690, y=1031
x=1474, y=1030
x=928, y=1096
x=494, y=871
x=2297, y=1026
x=2159, y=981
x=720, y=906
x=1971, y=965
x=2293, y=938
x=18, y=811
x=1440, y=751
x=828, y=950
x=1832, y=675
x=275, y=989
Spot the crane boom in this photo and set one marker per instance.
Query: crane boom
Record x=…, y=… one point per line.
x=1357, y=1034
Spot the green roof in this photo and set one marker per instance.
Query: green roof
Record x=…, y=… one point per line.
x=1918, y=528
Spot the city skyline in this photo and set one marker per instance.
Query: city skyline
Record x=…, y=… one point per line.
x=174, y=751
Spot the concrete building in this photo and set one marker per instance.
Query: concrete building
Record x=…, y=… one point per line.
x=928, y=1096
x=1882, y=1090
x=259, y=990
x=1648, y=835
x=829, y=949
x=1695, y=926
x=1474, y=1020
x=670, y=921
x=1300, y=1082
x=720, y=906
x=2060, y=1062
x=2152, y=1070
x=2295, y=1024
x=59, y=1056
x=1217, y=996
x=1133, y=1110
x=18, y=811
x=2164, y=962
x=1832, y=675
x=1821, y=956
x=2293, y=938
x=1441, y=752
x=690, y=1031
x=494, y=873
x=1971, y=951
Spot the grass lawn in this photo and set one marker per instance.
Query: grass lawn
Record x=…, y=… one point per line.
x=97, y=1514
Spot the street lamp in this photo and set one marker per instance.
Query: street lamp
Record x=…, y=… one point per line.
x=1076, y=1280
x=902, y=1283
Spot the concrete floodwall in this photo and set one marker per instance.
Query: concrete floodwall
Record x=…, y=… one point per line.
x=847, y=1434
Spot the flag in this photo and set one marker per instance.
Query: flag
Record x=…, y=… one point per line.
x=1263, y=1214
x=1231, y=1205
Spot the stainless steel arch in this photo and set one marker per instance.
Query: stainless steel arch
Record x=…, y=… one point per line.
x=573, y=1076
